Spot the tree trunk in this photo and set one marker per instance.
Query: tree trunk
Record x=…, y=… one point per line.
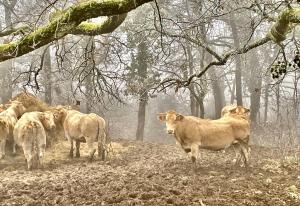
x=232, y=98
x=218, y=93
x=89, y=74
x=200, y=102
x=47, y=77
x=255, y=87
x=238, y=63
x=7, y=66
x=266, y=101
x=191, y=86
x=141, y=116
x=278, y=102
x=143, y=93
x=218, y=90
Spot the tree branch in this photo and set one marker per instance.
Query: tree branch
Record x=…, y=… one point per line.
x=14, y=31
x=284, y=24
x=104, y=27
x=65, y=23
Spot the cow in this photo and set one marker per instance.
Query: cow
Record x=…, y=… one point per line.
x=194, y=133
x=234, y=110
x=8, y=119
x=30, y=134
x=81, y=127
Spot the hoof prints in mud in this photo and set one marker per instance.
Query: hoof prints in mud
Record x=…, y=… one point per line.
x=153, y=174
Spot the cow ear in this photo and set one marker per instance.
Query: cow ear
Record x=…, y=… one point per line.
x=179, y=117
x=162, y=116
x=247, y=111
x=232, y=111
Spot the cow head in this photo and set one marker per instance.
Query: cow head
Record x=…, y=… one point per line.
x=171, y=118
x=240, y=110
x=59, y=113
x=47, y=119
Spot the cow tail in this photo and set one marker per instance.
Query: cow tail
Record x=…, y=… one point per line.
x=32, y=129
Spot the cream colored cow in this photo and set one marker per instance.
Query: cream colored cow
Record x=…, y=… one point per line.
x=8, y=119
x=79, y=127
x=193, y=133
x=30, y=134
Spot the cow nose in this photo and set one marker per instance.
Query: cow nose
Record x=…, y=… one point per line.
x=170, y=131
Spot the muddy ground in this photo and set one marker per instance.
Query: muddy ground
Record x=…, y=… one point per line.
x=152, y=174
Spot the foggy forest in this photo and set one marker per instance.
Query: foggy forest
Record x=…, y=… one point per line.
x=142, y=102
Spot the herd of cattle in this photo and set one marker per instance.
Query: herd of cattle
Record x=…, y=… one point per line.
x=29, y=129
x=27, y=122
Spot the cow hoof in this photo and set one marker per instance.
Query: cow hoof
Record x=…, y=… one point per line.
x=193, y=159
x=103, y=156
x=77, y=155
x=187, y=150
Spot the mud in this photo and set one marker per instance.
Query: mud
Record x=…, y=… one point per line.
x=152, y=174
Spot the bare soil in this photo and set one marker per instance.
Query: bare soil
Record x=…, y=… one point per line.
x=152, y=174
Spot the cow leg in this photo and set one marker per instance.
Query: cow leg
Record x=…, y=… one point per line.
x=245, y=153
x=90, y=145
x=28, y=155
x=41, y=154
x=237, y=151
x=14, y=148
x=2, y=148
x=77, y=148
x=71, y=148
x=101, y=146
x=194, y=153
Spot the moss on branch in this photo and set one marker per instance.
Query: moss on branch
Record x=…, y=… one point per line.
x=66, y=23
x=284, y=24
x=104, y=27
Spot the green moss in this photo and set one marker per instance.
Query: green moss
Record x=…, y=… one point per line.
x=64, y=22
x=284, y=24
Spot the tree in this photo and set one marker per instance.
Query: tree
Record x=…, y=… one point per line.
x=238, y=63
x=48, y=76
x=143, y=93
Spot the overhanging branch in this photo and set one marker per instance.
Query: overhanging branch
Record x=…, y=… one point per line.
x=22, y=29
x=66, y=23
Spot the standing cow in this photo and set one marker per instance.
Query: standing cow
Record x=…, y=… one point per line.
x=193, y=133
x=30, y=134
x=81, y=127
x=8, y=119
x=236, y=112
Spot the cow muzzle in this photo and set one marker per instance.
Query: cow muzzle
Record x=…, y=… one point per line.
x=170, y=131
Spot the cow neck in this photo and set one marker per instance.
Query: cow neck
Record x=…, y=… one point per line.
x=177, y=136
x=64, y=116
